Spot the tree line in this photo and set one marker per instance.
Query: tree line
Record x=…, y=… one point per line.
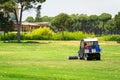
x=97, y=24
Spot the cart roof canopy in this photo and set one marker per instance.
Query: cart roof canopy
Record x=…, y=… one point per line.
x=90, y=39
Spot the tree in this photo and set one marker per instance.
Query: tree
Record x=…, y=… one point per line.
x=117, y=22
x=5, y=24
x=76, y=24
x=61, y=21
x=110, y=26
x=30, y=19
x=83, y=18
x=93, y=23
x=46, y=19
x=38, y=15
x=104, y=17
x=10, y=6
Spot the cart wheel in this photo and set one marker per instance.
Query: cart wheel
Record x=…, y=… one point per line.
x=85, y=58
x=98, y=58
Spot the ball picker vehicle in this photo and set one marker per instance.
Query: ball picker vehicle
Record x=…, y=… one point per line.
x=89, y=50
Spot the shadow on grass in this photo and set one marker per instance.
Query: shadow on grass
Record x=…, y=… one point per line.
x=23, y=76
x=27, y=41
x=118, y=42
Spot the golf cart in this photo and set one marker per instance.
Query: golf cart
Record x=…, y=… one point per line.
x=89, y=50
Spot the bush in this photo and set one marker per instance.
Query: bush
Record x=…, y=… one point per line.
x=12, y=36
x=28, y=36
x=46, y=33
x=42, y=33
x=9, y=36
x=111, y=38
x=71, y=35
x=57, y=36
x=74, y=35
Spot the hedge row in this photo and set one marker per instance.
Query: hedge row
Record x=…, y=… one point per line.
x=110, y=38
x=47, y=34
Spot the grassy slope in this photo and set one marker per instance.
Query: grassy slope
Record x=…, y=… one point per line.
x=47, y=60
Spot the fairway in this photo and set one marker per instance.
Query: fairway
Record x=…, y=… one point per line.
x=47, y=60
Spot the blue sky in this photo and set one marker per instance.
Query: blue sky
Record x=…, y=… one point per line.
x=89, y=7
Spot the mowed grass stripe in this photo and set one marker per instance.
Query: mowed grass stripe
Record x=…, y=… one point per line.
x=48, y=61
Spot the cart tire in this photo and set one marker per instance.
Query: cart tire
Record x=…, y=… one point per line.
x=85, y=58
x=98, y=58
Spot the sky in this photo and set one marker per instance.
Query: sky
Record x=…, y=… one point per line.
x=52, y=8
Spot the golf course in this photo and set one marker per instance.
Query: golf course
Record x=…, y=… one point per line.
x=48, y=60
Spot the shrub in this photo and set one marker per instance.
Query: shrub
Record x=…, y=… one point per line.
x=12, y=36
x=74, y=35
x=46, y=33
x=42, y=33
x=57, y=36
x=28, y=36
x=69, y=36
x=9, y=36
x=111, y=38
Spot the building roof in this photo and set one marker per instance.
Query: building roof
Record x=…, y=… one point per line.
x=34, y=24
x=90, y=39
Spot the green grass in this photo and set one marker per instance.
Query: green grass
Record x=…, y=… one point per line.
x=47, y=60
